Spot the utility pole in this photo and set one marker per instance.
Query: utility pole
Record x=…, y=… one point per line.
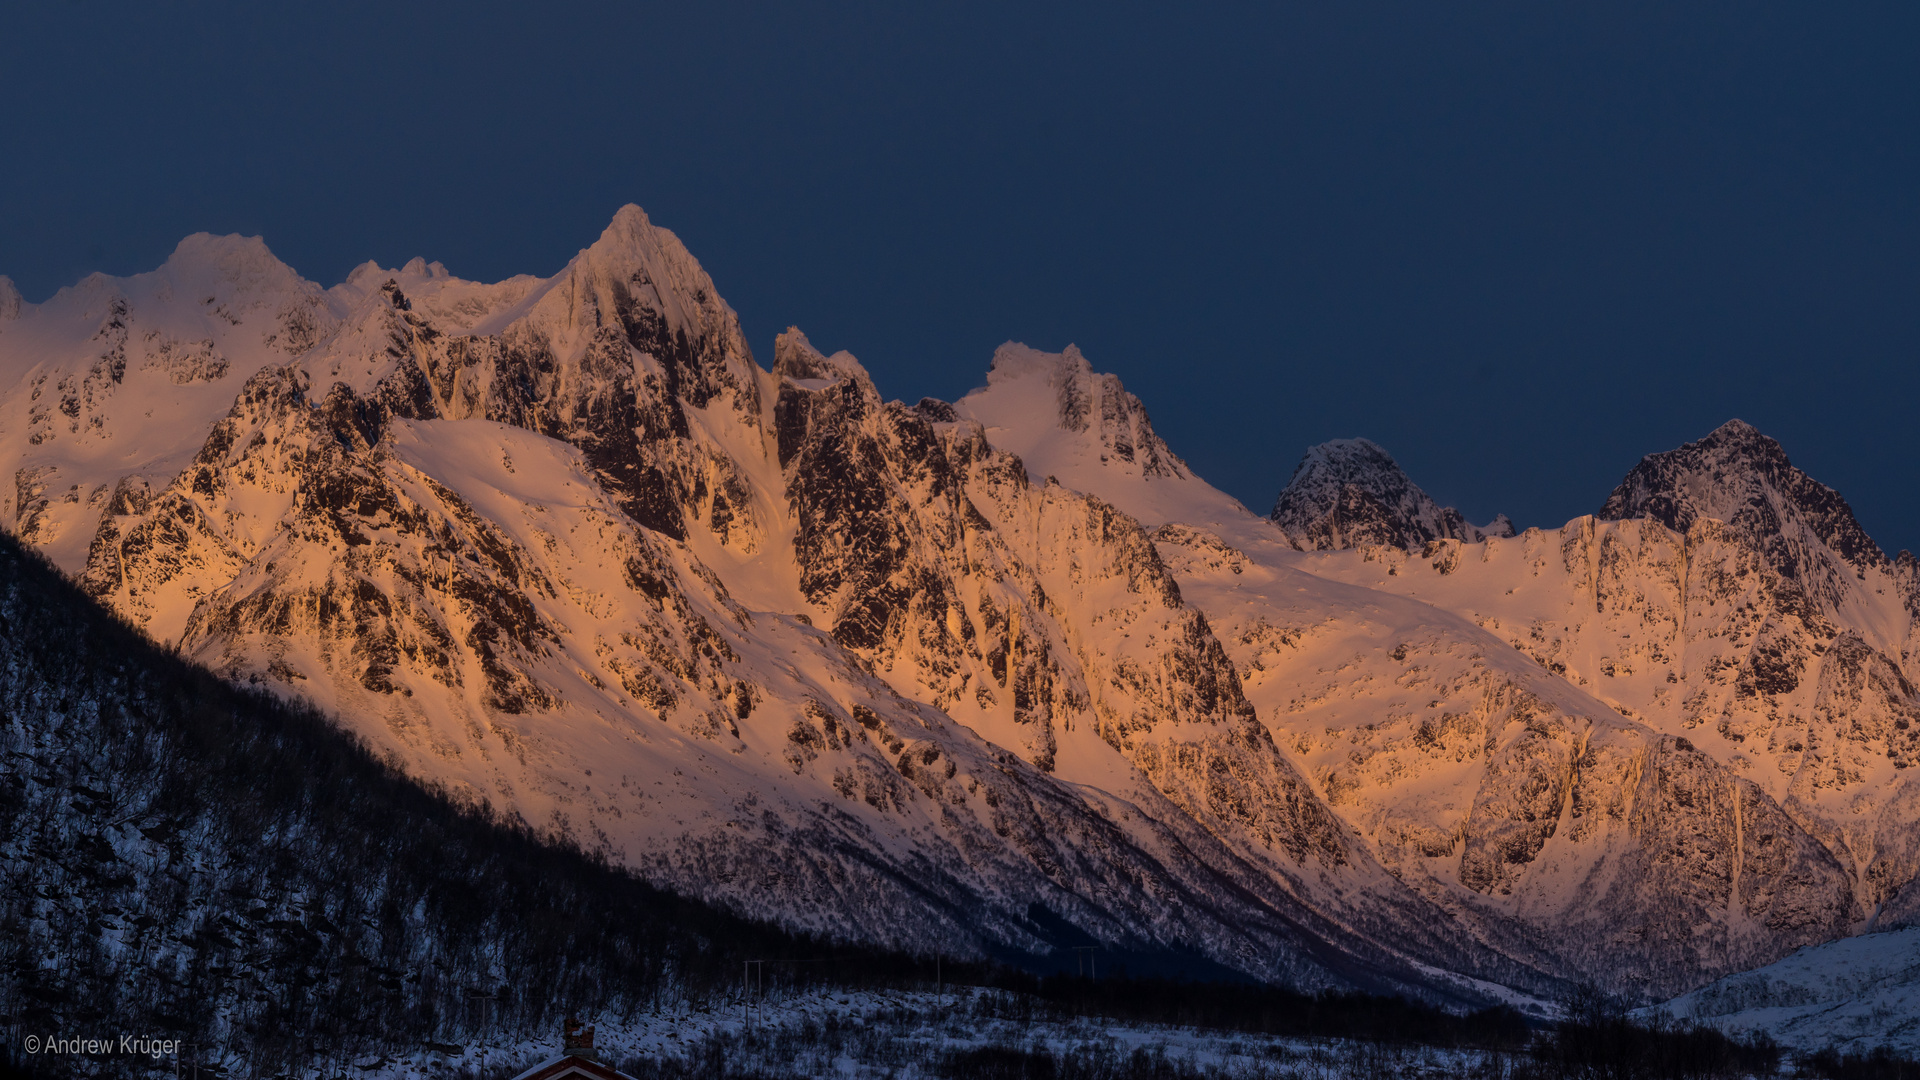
x=751, y=978
x=481, y=1003
x=1083, y=961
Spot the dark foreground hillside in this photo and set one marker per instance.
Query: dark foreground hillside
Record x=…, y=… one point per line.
x=183, y=859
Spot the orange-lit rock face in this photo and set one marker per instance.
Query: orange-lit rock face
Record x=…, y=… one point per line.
x=969, y=672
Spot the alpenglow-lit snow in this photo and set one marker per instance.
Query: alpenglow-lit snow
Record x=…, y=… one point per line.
x=993, y=676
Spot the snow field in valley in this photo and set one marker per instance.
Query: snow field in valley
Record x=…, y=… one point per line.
x=867, y=1035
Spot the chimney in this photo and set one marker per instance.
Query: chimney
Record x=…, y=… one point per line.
x=577, y=1041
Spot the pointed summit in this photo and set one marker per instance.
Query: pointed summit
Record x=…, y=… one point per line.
x=1741, y=477
x=1061, y=408
x=1350, y=492
x=638, y=284
x=1069, y=423
x=632, y=244
x=629, y=218
x=795, y=358
x=633, y=267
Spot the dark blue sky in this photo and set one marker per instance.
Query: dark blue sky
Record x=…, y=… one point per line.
x=1518, y=244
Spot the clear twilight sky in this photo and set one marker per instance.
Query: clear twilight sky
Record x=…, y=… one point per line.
x=1518, y=244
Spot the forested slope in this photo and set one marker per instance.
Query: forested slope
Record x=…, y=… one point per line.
x=180, y=858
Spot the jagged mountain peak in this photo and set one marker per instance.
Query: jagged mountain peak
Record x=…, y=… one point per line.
x=115, y=377
x=1067, y=422
x=371, y=275
x=1084, y=400
x=630, y=218
x=1350, y=492
x=633, y=265
x=642, y=255
x=1740, y=476
x=796, y=358
x=1017, y=360
x=1349, y=458
x=420, y=267
x=373, y=340
x=639, y=278
x=221, y=277
x=1055, y=406
x=1737, y=428
x=10, y=299
x=452, y=304
x=510, y=530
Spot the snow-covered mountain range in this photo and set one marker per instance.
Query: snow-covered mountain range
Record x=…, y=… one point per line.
x=996, y=675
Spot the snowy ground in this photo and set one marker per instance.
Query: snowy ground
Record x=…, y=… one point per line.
x=1857, y=994
x=907, y=1036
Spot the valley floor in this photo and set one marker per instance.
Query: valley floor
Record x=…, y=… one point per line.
x=965, y=1034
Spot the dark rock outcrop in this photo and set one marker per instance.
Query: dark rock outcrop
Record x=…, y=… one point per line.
x=1350, y=493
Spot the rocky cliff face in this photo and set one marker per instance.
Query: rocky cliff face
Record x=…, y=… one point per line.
x=1350, y=493
x=1801, y=527
x=1498, y=776
x=1021, y=608
x=560, y=546
x=1576, y=837
x=1731, y=609
x=982, y=674
x=115, y=379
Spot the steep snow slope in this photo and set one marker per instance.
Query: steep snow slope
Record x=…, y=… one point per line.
x=1501, y=784
x=1085, y=658
x=561, y=546
x=1506, y=794
x=1731, y=602
x=1857, y=995
x=1083, y=429
x=118, y=380
x=919, y=674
